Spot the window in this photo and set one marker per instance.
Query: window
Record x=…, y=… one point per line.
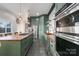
x=5, y=28
x=8, y=28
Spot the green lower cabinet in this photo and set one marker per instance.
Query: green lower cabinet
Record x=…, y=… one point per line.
x=10, y=48
x=15, y=47
x=26, y=44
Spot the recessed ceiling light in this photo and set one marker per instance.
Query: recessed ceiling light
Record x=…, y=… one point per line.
x=37, y=14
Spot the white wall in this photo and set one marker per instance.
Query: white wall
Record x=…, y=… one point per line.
x=21, y=26
x=11, y=19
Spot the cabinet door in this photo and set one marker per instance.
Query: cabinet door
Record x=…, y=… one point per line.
x=9, y=48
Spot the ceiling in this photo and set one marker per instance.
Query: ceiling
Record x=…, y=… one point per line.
x=26, y=8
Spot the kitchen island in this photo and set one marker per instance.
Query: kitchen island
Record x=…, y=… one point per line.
x=15, y=45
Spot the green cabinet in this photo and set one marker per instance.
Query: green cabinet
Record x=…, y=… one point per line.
x=26, y=44
x=15, y=47
x=9, y=48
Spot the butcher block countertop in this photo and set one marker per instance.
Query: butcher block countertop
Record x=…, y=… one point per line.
x=14, y=37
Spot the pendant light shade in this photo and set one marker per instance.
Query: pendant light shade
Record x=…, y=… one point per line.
x=19, y=17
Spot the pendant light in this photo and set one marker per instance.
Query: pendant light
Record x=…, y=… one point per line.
x=19, y=18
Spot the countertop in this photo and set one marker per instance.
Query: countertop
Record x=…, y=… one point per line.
x=14, y=37
x=70, y=38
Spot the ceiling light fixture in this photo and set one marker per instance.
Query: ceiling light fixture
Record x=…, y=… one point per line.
x=37, y=14
x=19, y=18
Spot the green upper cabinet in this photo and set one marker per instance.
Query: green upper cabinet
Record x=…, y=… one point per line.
x=45, y=23
x=41, y=23
x=41, y=27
